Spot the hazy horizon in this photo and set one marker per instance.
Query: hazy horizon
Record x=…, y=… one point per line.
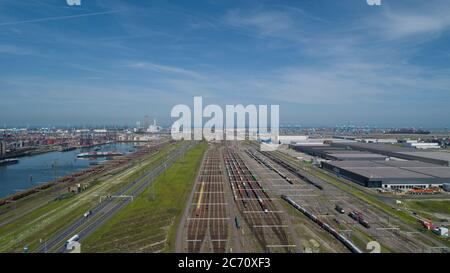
x=326, y=63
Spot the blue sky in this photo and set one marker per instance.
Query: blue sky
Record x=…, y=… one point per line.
x=324, y=62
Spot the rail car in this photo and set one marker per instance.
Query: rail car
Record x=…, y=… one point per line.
x=364, y=223
x=242, y=194
x=353, y=215
x=357, y=216
x=293, y=170
x=237, y=222
x=246, y=190
x=258, y=188
x=262, y=205
x=347, y=243
x=339, y=209
x=272, y=168
x=289, y=180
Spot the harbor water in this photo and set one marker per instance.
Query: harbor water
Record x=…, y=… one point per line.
x=42, y=168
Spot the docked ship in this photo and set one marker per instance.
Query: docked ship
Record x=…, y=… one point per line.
x=98, y=154
x=68, y=149
x=9, y=161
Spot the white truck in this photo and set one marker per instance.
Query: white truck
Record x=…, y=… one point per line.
x=72, y=242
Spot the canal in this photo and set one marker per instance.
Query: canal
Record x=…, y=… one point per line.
x=38, y=169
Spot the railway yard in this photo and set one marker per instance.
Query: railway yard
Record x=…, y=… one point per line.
x=324, y=200
x=207, y=225
x=216, y=197
x=275, y=205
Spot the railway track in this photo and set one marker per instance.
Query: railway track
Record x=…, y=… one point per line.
x=109, y=207
x=207, y=225
x=256, y=206
x=321, y=201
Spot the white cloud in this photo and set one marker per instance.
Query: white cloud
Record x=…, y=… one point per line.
x=268, y=22
x=166, y=69
x=423, y=18
x=278, y=23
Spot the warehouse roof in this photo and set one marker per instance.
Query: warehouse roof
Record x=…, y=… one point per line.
x=433, y=155
x=379, y=147
x=408, y=163
x=353, y=163
x=441, y=158
x=343, y=151
x=440, y=172
x=378, y=163
x=357, y=155
x=386, y=172
x=353, y=156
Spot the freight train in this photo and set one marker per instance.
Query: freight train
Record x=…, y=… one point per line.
x=292, y=170
x=247, y=187
x=347, y=243
x=357, y=216
x=270, y=167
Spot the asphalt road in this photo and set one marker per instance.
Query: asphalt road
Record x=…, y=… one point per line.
x=109, y=207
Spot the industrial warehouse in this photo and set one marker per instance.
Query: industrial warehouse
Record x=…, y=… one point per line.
x=381, y=166
x=390, y=174
x=438, y=158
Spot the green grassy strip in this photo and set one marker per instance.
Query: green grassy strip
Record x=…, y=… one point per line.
x=167, y=196
x=36, y=225
x=430, y=206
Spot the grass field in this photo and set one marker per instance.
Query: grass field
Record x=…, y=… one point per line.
x=430, y=206
x=41, y=223
x=149, y=223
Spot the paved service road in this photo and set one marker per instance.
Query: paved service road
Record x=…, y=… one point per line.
x=110, y=206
